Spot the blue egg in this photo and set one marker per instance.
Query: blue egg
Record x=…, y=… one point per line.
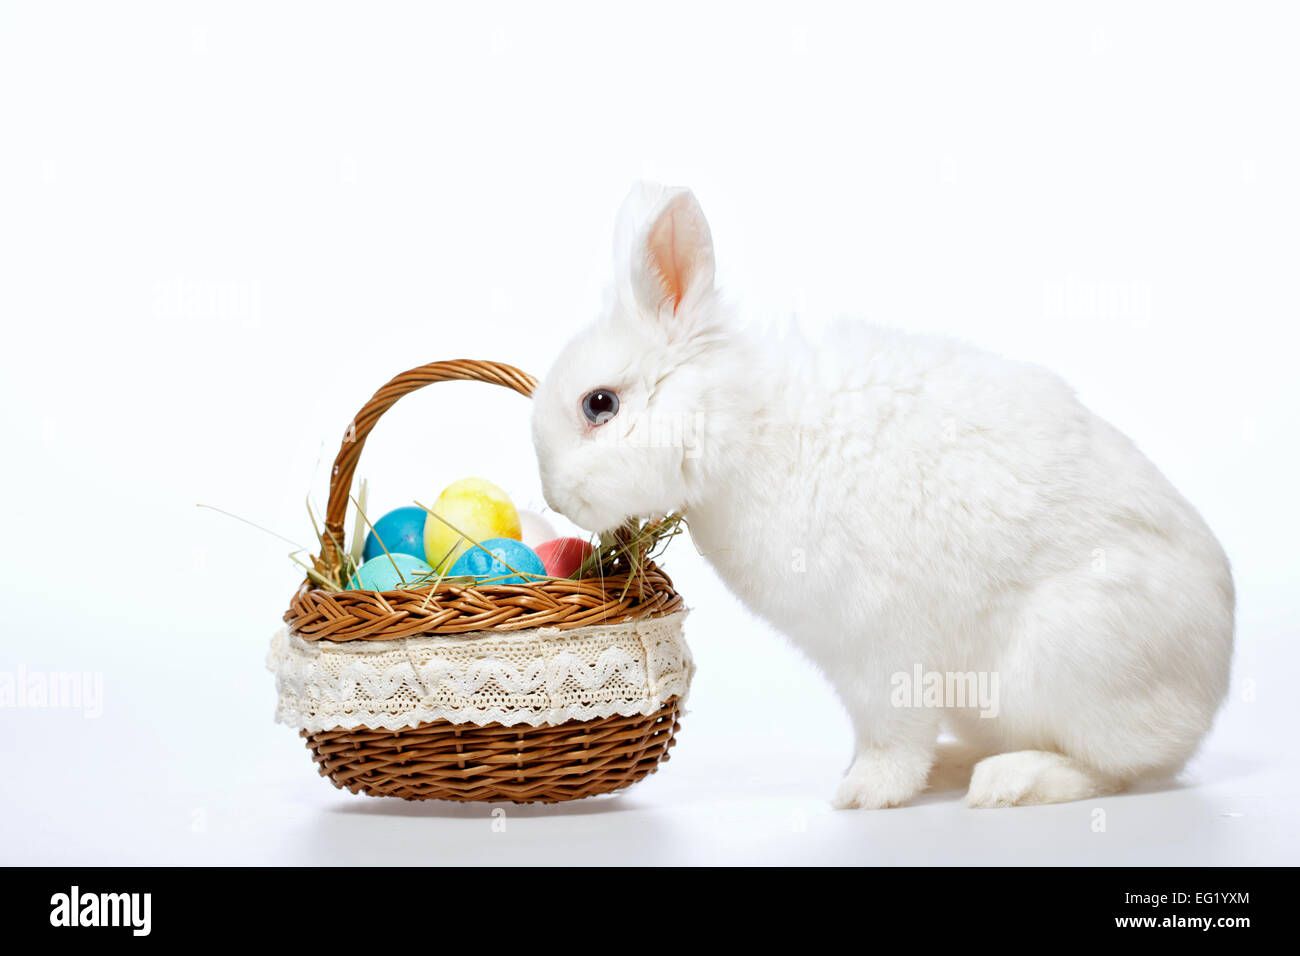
x=401, y=531
x=379, y=574
x=506, y=553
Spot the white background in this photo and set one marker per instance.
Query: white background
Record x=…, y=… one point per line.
x=222, y=227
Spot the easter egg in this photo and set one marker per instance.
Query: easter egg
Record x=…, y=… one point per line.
x=506, y=556
x=563, y=556
x=534, y=529
x=473, y=507
x=400, y=531
x=380, y=574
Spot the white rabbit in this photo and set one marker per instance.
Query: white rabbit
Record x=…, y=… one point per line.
x=894, y=503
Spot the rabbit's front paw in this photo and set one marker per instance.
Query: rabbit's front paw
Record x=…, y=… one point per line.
x=881, y=779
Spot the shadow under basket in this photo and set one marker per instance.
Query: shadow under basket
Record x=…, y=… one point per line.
x=560, y=689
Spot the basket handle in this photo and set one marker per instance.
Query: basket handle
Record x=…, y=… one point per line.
x=354, y=439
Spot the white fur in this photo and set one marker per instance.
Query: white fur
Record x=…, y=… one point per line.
x=888, y=500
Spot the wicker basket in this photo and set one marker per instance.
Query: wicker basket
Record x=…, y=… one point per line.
x=523, y=754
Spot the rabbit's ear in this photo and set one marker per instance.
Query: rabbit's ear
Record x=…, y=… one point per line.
x=672, y=256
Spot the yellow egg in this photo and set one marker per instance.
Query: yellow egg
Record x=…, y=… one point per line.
x=474, y=507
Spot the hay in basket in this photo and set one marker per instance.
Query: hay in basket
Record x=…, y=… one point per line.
x=456, y=689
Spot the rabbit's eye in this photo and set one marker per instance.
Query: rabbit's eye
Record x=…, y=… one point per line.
x=599, y=406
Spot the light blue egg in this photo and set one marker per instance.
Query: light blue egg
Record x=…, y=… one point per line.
x=506, y=553
x=400, y=530
x=379, y=574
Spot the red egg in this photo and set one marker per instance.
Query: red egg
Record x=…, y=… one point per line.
x=563, y=556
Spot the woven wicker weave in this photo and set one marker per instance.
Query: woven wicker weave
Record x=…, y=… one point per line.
x=576, y=759
x=441, y=760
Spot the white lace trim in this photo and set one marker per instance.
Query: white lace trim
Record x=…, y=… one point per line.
x=540, y=676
